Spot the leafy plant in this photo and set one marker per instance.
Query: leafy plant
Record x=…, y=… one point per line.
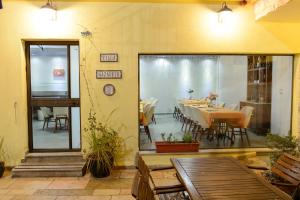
x=282, y=144
x=3, y=153
x=187, y=138
x=105, y=143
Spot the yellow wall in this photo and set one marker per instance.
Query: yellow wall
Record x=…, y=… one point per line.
x=126, y=29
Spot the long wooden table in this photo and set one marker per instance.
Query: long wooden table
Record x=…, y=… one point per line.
x=223, y=178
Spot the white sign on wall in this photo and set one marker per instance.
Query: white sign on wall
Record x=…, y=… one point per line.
x=109, y=57
x=109, y=74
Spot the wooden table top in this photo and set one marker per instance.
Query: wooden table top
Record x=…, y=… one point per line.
x=223, y=178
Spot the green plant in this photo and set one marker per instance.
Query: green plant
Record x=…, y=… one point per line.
x=3, y=153
x=282, y=144
x=105, y=143
x=187, y=138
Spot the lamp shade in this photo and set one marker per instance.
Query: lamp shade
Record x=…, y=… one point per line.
x=48, y=11
x=224, y=13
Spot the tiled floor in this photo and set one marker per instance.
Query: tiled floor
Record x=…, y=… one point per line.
x=115, y=187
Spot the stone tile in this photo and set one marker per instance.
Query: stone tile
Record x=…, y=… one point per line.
x=110, y=184
x=7, y=197
x=3, y=191
x=5, y=183
x=125, y=192
x=122, y=197
x=30, y=184
x=106, y=192
x=21, y=191
x=30, y=197
x=68, y=184
x=127, y=173
x=94, y=198
x=64, y=192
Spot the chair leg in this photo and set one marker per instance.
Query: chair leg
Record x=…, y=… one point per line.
x=44, y=124
x=246, y=133
x=153, y=119
x=183, y=122
x=148, y=132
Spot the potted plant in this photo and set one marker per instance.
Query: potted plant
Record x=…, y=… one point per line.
x=2, y=157
x=172, y=145
x=105, y=144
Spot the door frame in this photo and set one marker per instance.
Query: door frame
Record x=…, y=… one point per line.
x=75, y=102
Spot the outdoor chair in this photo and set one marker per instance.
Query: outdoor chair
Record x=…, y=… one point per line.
x=287, y=169
x=48, y=116
x=145, y=187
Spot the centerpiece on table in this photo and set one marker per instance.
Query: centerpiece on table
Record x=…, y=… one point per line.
x=171, y=145
x=190, y=92
x=212, y=97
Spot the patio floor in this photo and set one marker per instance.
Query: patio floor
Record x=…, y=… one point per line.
x=115, y=187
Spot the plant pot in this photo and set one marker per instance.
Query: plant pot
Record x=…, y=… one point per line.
x=173, y=147
x=2, y=168
x=98, y=171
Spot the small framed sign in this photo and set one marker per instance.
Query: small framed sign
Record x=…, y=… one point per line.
x=109, y=89
x=109, y=74
x=108, y=57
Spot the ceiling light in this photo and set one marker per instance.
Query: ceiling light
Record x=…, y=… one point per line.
x=49, y=10
x=224, y=13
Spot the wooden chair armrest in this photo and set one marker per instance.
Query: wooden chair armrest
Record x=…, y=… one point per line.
x=171, y=190
x=283, y=184
x=157, y=168
x=168, y=187
x=257, y=167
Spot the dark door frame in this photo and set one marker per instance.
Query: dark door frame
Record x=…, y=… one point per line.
x=59, y=102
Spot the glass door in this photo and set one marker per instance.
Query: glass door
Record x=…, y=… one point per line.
x=53, y=96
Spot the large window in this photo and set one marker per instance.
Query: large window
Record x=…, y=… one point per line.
x=171, y=83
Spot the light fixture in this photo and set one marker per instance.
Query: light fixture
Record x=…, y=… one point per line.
x=49, y=10
x=224, y=13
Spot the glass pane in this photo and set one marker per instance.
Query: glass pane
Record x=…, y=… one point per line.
x=253, y=94
x=49, y=70
x=74, y=53
x=50, y=127
x=75, y=127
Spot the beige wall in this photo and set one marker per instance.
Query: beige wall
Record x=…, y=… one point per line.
x=126, y=29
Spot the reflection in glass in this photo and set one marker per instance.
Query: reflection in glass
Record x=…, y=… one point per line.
x=50, y=127
x=49, y=70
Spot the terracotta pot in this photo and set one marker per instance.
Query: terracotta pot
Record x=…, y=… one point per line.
x=173, y=147
x=2, y=168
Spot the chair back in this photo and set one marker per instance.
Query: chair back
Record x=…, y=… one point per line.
x=149, y=115
x=46, y=112
x=135, y=184
x=288, y=168
x=60, y=111
x=247, y=111
x=232, y=106
x=146, y=107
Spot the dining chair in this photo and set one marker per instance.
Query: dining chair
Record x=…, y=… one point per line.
x=48, y=116
x=148, y=116
x=61, y=113
x=236, y=128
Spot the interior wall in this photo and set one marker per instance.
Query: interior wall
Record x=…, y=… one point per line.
x=42, y=77
x=168, y=78
x=232, y=86
x=127, y=29
x=282, y=76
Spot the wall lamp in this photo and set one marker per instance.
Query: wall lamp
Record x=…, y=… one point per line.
x=224, y=13
x=49, y=10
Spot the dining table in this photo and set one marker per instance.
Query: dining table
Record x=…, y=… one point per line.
x=223, y=178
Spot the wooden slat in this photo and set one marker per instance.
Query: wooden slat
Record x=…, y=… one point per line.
x=223, y=178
